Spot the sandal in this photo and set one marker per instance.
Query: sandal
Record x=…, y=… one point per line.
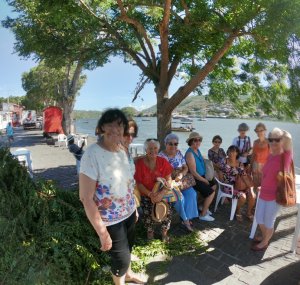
x=239, y=217
x=250, y=217
x=134, y=278
x=150, y=235
x=257, y=239
x=165, y=239
x=188, y=226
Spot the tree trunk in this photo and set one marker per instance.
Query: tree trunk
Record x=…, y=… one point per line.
x=68, y=122
x=164, y=115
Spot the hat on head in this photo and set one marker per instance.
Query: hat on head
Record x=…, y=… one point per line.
x=159, y=211
x=243, y=127
x=70, y=137
x=193, y=135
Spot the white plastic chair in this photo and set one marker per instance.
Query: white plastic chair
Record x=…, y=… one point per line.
x=62, y=139
x=228, y=194
x=24, y=156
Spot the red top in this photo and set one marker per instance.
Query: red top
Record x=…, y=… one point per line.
x=270, y=171
x=260, y=153
x=144, y=175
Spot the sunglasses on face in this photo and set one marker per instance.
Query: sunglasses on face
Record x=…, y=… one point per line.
x=173, y=144
x=259, y=131
x=277, y=140
x=133, y=135
x=197, y=140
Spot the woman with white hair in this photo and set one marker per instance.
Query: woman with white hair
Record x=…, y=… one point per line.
x=187, y=206
x=266, y=210
x=148, y=169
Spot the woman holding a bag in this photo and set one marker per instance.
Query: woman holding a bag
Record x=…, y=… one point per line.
x=196, y=165
x=148, y=169
x=187, y=206
x=266, y=210
x=231, y=169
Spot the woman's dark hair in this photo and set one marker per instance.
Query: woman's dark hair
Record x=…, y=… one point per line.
x=217, y=137
x=109, y=116
x=233, y=148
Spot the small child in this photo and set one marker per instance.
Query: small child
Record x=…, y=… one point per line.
x=10, y=133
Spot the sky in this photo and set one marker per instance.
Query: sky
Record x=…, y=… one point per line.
x=108, y=86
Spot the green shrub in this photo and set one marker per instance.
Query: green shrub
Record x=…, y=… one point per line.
x=45, y=235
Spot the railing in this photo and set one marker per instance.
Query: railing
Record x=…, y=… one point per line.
x=136, y=149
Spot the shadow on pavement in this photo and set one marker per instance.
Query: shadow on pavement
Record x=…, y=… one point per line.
x=228, y=254
x=287, y=275
x=65, y=177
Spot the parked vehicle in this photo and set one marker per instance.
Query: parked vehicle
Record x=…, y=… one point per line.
x=29, y=119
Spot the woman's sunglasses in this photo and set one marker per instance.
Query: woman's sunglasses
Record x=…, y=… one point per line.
x=277, y=140
x=173, y=144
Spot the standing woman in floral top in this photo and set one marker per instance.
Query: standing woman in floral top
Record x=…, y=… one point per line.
x=106, y=190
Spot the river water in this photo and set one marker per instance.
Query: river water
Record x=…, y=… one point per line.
x=226, y=128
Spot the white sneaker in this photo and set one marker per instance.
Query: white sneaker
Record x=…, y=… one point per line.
x=208, y=211
x=206, y=218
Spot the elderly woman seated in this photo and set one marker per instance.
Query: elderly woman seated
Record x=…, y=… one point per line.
x=148, y=169
x=231, y=167
x=187, y=206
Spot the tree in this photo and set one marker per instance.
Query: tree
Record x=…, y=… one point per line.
x=47, y=86
x=200, y=38
x=60, y=36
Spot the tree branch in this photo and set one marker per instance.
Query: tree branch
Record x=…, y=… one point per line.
x=164, y=48
x=140, y=29
x=185, y=90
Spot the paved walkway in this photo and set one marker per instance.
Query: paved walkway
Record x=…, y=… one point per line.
x=228, y=258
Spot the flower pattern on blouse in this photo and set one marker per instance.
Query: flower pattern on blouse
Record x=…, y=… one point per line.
x=229, y=174
x=113, y=208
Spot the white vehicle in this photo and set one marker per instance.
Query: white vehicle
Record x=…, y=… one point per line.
x=29, y=119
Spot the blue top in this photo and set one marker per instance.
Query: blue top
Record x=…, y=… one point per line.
x=200, y=166
x=9, y=130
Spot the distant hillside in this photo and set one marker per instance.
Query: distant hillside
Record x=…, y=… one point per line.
x=83, y=114
x=190, y=104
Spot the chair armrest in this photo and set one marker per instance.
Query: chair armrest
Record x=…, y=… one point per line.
x=225, y=184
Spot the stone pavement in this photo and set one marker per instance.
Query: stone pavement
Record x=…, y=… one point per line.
x=228, y=258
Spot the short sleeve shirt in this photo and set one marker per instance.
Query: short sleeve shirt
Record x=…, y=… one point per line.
x=270, y=171
x=177, y=161
x=148, y=177
x=244, y=145
x=114, y=182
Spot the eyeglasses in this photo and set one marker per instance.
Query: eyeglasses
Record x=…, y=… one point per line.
x=217, y=142
x=197, y=140
x=173, y=144
x=277, y=140
x=133, y=135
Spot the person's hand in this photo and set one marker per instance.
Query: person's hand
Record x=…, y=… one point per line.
x=205, y=181
x=105, y=240
x=156, y=197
